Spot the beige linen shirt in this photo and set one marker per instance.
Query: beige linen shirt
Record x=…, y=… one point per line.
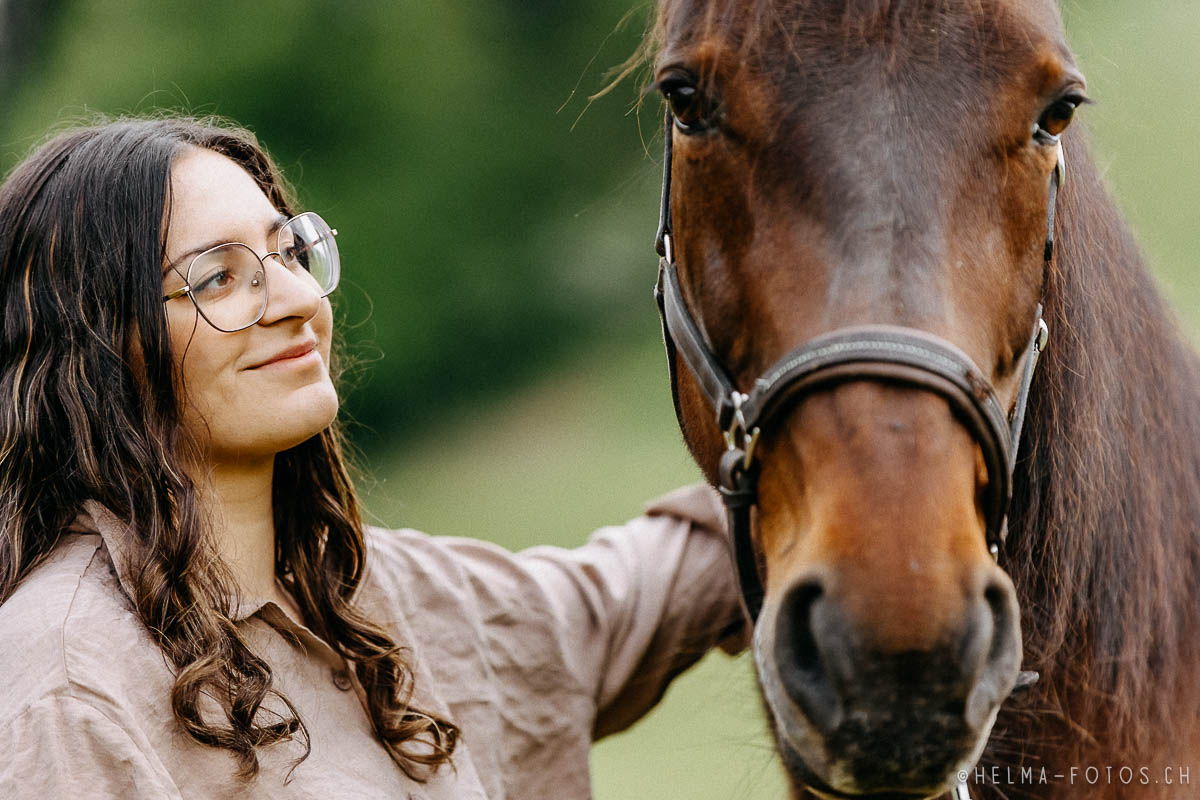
x=532, y=655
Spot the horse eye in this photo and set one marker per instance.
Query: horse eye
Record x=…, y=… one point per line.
x=1057, y=117
x=691, y=109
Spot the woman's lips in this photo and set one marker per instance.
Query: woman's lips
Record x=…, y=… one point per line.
x=295, y=355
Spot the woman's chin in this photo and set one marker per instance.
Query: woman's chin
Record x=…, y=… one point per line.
x=300, y=425
x=273, y=426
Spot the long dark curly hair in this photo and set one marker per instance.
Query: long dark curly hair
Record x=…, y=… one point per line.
x=90, y=409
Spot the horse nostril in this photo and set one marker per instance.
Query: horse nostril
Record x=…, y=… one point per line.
x=1000, y=602
x=799, y=660
x=997, y=600
x=994, y=645
x=996, y=597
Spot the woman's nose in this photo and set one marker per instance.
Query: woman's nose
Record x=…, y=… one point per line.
x=290, y=293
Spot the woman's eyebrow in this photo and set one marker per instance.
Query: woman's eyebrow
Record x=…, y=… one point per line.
x=195, y=251
x=277, y=223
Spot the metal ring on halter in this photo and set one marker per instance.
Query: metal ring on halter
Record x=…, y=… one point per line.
x=738, y=425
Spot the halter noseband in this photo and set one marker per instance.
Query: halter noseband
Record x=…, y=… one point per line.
x=872, y=352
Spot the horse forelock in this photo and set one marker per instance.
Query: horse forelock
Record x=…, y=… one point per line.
x=781, y=29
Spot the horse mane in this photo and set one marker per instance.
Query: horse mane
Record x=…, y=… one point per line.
x=1105, y=521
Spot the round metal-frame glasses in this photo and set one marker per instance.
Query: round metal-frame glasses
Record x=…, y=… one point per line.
x=228, y=283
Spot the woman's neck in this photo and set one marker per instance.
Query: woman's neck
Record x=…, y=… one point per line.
x=237, y=500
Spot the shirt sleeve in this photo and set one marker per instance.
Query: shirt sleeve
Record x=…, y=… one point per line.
x=64, y=747
x=536, y=654
x=642, y=602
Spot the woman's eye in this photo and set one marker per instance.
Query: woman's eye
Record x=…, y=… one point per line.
x=1057, y=116
x=691, y=109
x=221, y=279
x=296, y=256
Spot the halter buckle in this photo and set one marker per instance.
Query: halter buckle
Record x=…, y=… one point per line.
x=749, y=438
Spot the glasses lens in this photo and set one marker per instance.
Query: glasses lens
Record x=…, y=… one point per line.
x=229, y=286
x=307, y=244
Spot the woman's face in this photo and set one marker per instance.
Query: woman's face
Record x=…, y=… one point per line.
x=253, y=393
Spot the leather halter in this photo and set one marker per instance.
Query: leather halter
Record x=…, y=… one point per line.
x=863, y=352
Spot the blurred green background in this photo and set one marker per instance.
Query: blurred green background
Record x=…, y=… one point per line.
x=496, y=235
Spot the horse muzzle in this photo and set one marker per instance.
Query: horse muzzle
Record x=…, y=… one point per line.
x=854, y=720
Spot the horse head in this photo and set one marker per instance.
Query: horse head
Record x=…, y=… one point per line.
x=873, y=178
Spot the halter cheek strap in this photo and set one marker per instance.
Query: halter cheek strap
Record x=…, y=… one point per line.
x=868, y=352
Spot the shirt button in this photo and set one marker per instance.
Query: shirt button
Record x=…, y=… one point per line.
x=341, y=679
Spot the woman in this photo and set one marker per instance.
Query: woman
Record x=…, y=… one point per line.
x=190, y=605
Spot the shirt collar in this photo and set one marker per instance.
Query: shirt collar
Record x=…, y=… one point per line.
x=119, y=540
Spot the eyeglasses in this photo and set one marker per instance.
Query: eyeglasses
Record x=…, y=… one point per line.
x=228, y=283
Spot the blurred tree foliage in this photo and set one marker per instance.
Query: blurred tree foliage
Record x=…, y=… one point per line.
x=476, y=214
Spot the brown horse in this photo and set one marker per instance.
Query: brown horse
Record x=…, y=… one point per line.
x=891, y=162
